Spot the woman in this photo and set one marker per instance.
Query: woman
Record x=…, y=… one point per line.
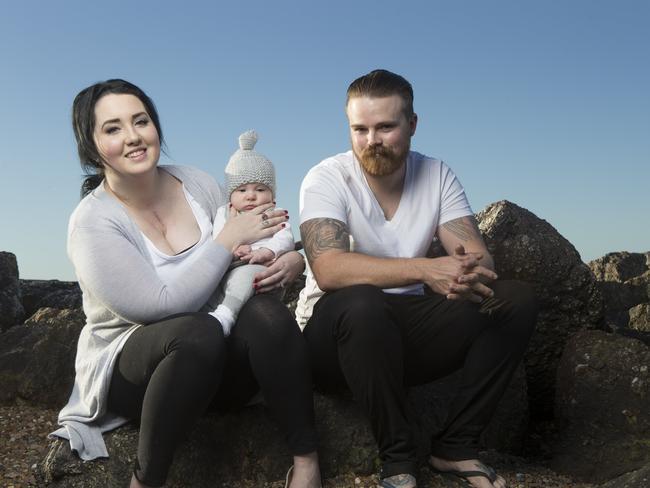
x=140, y=241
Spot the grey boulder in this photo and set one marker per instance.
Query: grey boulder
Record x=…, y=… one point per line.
x=603, y=406
x=530, y=249
x=11, y=308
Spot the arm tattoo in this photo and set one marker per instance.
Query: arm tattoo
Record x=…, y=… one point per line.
x=321, y=235
x=465, y=228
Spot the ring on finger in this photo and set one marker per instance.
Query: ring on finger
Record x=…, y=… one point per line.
x=265, y=223
x=264, y=216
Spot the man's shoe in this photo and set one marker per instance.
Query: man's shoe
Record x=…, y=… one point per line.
x=464, y=476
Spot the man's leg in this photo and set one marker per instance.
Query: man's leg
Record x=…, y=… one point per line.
x=488, y=367
x=353, y=338
x=486, y=343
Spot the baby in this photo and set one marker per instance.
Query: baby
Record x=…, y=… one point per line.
x=250, y=182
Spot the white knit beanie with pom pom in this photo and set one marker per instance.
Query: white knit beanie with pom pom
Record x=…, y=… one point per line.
x=248, y=166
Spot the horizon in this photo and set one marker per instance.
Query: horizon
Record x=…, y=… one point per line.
x=546, y=106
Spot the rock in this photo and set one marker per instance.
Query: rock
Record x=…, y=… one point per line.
x=291, y=292
x=636, y=479
x=245, y=449
x=624, y=279
x=49, y=293
x=15, y=349
x=603, y=406
x=640, y=317
x=620, y=266
x=11, y=308
x=528, y=248
x=37, y=358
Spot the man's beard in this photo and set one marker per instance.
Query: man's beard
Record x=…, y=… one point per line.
x=382, y=160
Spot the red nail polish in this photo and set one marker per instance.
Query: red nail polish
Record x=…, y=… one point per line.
x=284, y=225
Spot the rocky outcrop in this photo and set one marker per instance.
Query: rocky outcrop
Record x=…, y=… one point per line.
x=528, y=248
x=639, y=317
x=636, y=479
x=603, y=406
x=11, y=308
x=624, y=279
x=37, y=358
x=49, y=293
x=245, y=449
x=620, y=267
x=598, y=390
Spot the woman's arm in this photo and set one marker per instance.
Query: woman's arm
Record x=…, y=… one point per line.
x=283, y=271
x=115, y=273
x=279, y=243
x=245, y=228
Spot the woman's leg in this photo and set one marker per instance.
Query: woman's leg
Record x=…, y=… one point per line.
x=266, y=351
x=165, y=376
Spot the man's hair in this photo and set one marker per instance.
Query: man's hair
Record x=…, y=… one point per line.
x=382, y=83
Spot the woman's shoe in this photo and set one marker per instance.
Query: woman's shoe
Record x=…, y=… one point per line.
x=290, y=475
x=287, y=480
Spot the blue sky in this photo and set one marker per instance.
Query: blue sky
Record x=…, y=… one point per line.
x=545, y=104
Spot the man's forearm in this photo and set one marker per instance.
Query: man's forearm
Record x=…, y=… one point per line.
x=335, y=266
x=338, y=270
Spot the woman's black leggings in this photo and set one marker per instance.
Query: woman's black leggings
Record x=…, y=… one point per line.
x=172, y=371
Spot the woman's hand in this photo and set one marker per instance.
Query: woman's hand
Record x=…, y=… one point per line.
x=283, y=271
x=251, y=226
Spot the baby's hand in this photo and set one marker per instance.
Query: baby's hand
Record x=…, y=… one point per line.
x=262, y=255
x=242, y=251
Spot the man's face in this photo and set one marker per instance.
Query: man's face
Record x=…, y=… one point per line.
x=380, y=133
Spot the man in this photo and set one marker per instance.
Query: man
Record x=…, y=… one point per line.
x=368, y=217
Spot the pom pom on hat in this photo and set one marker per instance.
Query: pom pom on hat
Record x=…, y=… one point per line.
x=248, y=140
x=249, y=166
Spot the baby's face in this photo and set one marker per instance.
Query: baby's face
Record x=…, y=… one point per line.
x=247, y=197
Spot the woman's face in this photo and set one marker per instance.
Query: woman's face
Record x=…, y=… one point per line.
x=125, y=135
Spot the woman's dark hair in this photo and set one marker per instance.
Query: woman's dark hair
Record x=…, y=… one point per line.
x=83, y=124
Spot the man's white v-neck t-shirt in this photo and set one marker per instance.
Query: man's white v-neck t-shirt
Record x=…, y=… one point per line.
x=337, y=188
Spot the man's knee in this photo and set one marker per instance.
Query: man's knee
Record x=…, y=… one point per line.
x=360, y=310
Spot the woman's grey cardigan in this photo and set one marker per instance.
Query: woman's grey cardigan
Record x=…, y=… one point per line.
x=121, y=292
